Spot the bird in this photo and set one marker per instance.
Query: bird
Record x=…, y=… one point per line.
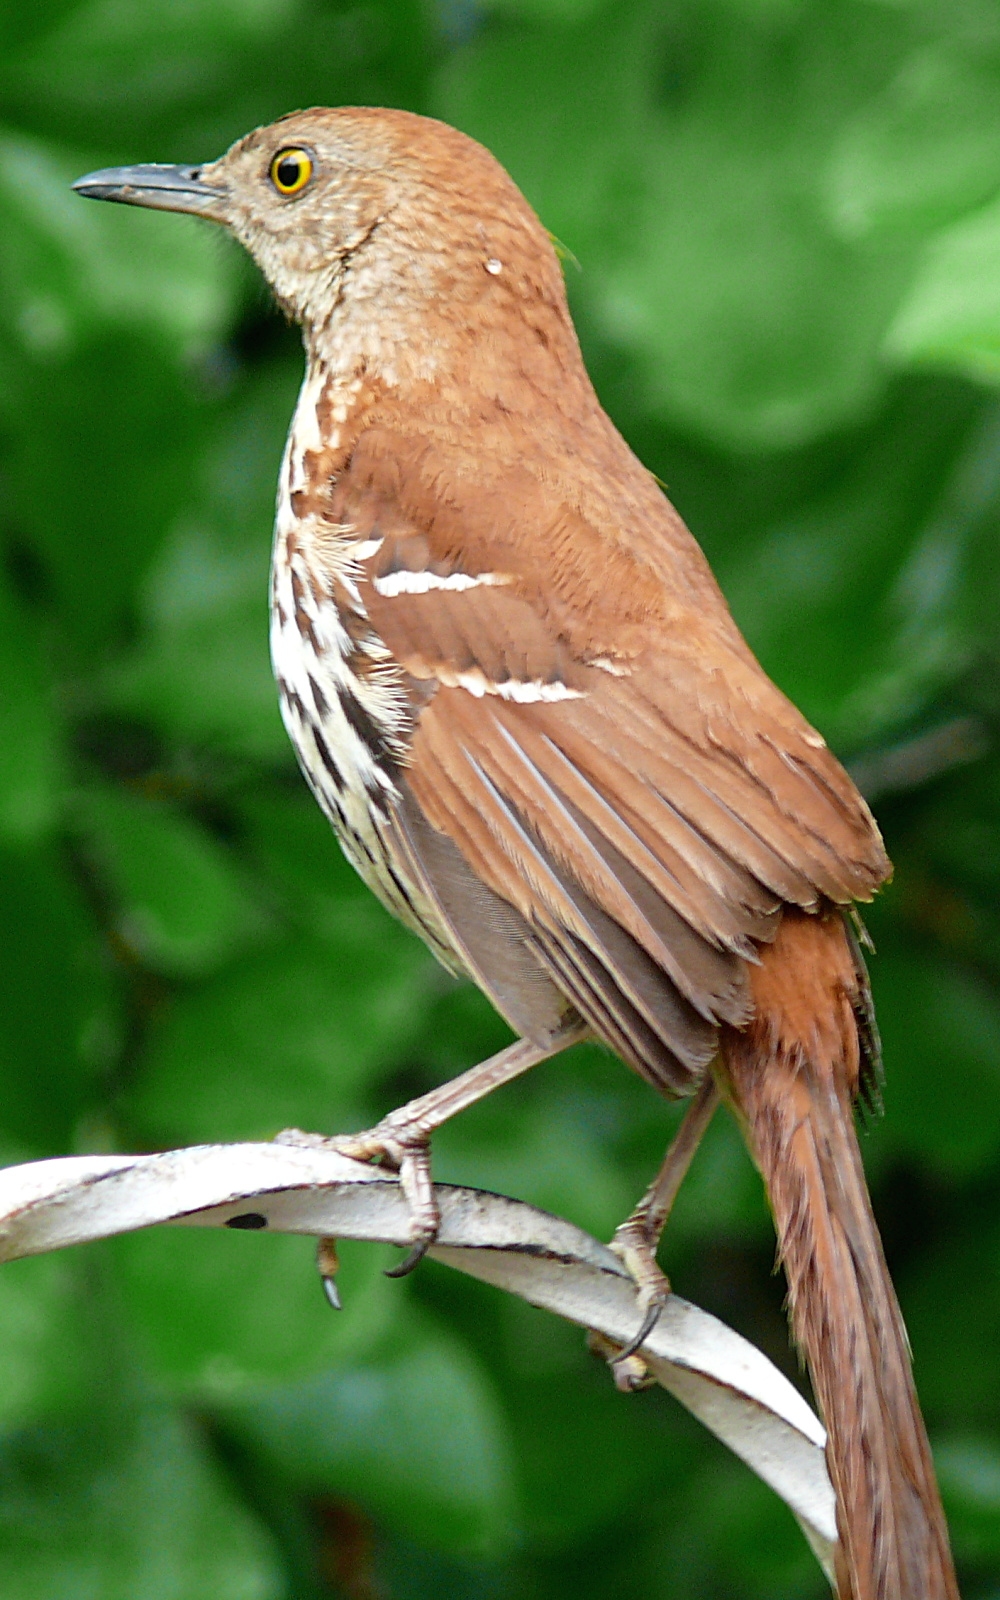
x=517, y=692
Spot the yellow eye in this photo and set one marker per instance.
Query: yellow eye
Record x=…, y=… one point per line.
x=291, y=171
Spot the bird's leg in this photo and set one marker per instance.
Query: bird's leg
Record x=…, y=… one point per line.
x=636, y=1239
x=401, y=1140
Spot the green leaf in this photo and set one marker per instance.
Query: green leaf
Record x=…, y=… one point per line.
x=545, y=10
x=968, y=1469
x=950, y=1295
x=93, y=512
x=583, y=1458
x=752, y=325
x=958, y=835
x=180, y=902
x=853, y=598
x=415, y=1433
x=688, y=190
x=294, y=847
x=924, y=149
x=554, y=1139
x=117, y=1507
x=941, y=1034
x=295, y=1036
x=208, y=685
x=546, y=1150
x=31, y=758
x=721, y=1531
x=216, y=1315
x=66, y=263
x=60, y=1018
x=722, y=1197
x=18, y=30
x=200, y=668
x=43, y=1370
x=179, y=81
x=951, y=316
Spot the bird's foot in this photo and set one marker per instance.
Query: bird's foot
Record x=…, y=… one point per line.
x=635, y=1241
x=636, y=1250
x=401, y=1141
x=328, y=1265
x=401, y=1145
x=629, y=1372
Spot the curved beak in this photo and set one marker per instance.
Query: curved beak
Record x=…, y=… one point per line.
x=161, y=187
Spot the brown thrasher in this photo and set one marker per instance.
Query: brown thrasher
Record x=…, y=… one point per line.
x=518, y=694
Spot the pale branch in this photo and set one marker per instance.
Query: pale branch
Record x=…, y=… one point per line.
x=289, y=1188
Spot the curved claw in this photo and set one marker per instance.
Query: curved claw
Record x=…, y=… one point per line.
x=649, y=1322
x=328, y=1263
x=412, y=1259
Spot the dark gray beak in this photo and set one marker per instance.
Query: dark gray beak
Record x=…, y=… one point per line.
x=158, y=186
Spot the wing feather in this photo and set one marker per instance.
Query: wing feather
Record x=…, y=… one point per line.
x=494, y=942
x=710, y=977
x=595, y=750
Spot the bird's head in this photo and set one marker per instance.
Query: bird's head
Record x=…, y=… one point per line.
x=378, y=215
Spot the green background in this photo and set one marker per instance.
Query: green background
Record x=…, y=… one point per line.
x=784, y=226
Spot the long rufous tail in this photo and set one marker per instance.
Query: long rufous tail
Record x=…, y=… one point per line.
x=794, y=1074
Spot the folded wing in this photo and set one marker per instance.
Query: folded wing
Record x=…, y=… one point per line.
x=643, y=811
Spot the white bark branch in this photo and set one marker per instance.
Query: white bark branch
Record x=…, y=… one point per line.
x=722, y=1379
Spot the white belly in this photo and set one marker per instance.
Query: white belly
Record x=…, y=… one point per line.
x=342, y=701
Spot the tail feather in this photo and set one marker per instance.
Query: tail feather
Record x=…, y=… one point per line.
x=794, y=1074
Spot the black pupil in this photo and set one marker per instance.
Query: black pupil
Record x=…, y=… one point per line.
x=289, y=171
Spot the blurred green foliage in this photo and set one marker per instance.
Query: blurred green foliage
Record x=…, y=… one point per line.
x=786, y=215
